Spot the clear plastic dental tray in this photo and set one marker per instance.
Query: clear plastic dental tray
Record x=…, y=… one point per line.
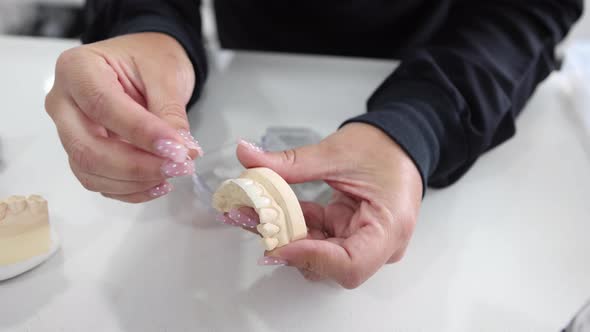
x=221, y=163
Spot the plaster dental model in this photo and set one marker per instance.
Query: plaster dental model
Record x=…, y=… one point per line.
x=26, y=238
x=281, y=218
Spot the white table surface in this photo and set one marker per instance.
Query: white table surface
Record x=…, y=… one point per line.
x=505, y=249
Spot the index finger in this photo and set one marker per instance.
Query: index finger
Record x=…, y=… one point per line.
x=98, y=93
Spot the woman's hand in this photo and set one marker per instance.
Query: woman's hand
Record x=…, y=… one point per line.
x=371, y=217
x=119, y=108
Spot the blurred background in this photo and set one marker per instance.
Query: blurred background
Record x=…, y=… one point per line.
x=62, y=18
x=65, y=19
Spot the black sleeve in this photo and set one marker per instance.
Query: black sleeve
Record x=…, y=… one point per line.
x=458, y=96
x=180, y=19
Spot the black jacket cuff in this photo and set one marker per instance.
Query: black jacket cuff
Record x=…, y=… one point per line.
x=419, y=117
x=410, y=131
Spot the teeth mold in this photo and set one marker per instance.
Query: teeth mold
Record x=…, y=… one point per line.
x=281, y=218
x=26, y=238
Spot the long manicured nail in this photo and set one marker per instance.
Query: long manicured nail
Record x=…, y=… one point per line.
x=272, y=261
x=161, y=190
x=190, y=142
x=243, y=219
x=171, y=150
x=171, y=169
x=250, y=146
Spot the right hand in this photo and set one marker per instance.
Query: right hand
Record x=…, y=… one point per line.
x=119, y=108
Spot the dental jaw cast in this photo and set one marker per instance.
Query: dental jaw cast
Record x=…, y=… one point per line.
x=281, y=218
x=26, y=238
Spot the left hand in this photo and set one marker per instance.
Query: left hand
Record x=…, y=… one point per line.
x=371, y=217
x=118, y=105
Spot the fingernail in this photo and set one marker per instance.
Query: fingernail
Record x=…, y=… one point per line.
x=171, y=169
x=160, y=190
x=272, y=261
x=190, y=142
x=242, y=219
x=172, y=150
x=250, y=146
x=224, y=219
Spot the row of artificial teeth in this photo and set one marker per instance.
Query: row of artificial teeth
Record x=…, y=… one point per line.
x=18, y=204
x=259, y=200
x=266, y=214
x=267, y=229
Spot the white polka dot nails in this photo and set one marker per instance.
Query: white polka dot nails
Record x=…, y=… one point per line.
x=224, y=219
x=270, y=261
x=244, y=218
x=160, y=190
x=250, y=146
x=171, y=169
x=190, y=142
x=172, y=150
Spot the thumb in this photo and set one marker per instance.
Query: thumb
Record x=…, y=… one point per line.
x=165, y=101
x=303, y=164
x=167, y=98
x=168, y=79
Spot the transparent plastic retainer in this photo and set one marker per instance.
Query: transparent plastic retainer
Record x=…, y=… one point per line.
x=220, y=164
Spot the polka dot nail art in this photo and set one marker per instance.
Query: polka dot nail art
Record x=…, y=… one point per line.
x=172, y=169
x=160, y=190
x=172, y=150
x=272, y=261
x=244, y=217
x=250, y=146
x=190, y=142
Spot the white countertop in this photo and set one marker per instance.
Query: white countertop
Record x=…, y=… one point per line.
x=505, y=249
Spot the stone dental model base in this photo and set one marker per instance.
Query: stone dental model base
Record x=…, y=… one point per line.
x=281, y=218
x=26, y=238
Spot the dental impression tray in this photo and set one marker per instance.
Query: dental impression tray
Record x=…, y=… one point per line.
x=26, y=238
x=281, y=218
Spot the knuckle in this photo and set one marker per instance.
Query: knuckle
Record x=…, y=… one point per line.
x=70, y=59
x=75, y=69
x=403, y=228
x=395, y=258
x=174, y=112
x=289, y=157
x=86, y=182
x=49, y=103
x=54, y=102
x=351, y=280
x=96, y=104
x=138, y=171
x=82, y=156
x=135, y=170
x=67, y=57
x=399, y=225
